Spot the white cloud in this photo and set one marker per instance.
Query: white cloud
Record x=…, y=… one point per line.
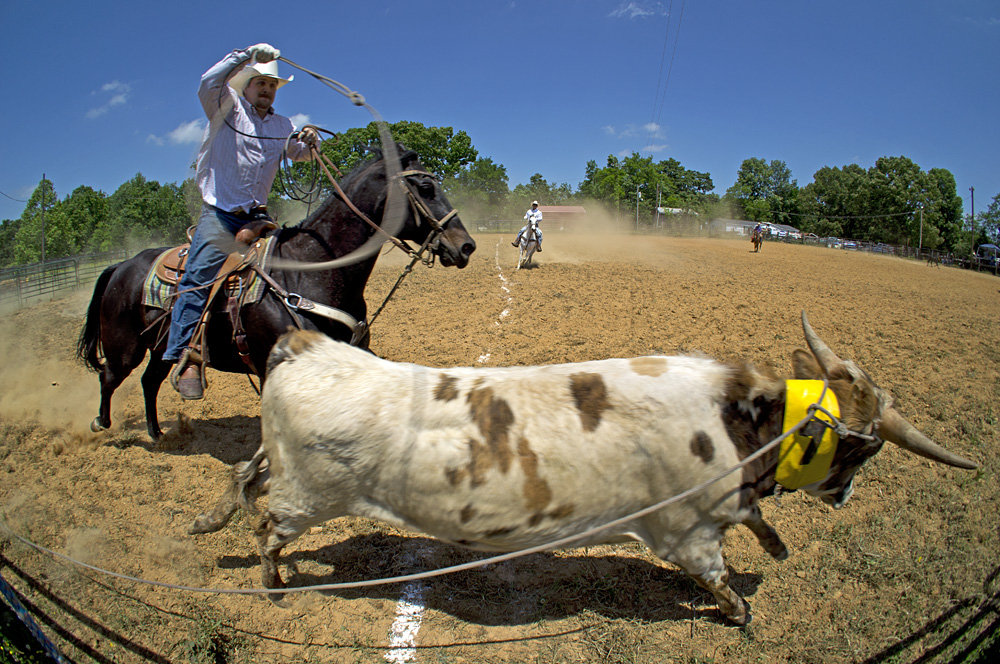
x=653, y=130
x=649, y=131
x=658, y=147
x=116, y=93
x=188, y=132
x=299, y=120
x=639, y=10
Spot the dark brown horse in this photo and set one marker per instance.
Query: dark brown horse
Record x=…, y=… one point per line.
x=121, y=330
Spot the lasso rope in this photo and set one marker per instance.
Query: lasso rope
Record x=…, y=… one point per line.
x=556, y=544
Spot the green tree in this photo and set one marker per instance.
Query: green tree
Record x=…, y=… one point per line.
x=536, y=189
x=765, y=192
x=83, y=211
x=481, y=189
x=884, y=203
x=442, y=151
x=143, y=213
x=8, y=235
x=666, y=182
x=942, y=197
x=36, y=224
x=835, y=201
x=683, y=188
x=990, y=221
x=606, y=184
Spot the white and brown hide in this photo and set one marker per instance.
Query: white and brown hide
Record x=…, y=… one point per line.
x=500, y=459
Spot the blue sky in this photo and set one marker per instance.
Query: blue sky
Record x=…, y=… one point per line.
x=100, y=91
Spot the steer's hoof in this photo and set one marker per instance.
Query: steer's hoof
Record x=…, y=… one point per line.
x=203, y=524
x=96, y=425
x=743, y=620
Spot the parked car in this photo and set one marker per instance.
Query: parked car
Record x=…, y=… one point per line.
x=850, y=244
x=987, y=254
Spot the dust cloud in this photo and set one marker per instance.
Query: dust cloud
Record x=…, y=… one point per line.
x=40, y=377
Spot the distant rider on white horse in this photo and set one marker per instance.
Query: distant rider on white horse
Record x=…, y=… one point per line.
x=534, y=214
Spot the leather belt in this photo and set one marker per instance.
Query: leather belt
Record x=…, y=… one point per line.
x=259, y=212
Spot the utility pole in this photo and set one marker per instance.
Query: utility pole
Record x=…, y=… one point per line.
x=636, y=208
x=657, y=205
x=920, y=246
x=43, y=219
x=972, y=225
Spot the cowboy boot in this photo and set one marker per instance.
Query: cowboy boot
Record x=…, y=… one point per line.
x=188, y=377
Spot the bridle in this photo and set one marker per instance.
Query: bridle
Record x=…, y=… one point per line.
x=421, y=212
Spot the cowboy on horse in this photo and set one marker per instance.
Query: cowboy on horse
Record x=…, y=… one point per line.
x=237, y=164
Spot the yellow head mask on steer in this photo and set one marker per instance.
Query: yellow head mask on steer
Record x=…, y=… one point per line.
x=805, y=456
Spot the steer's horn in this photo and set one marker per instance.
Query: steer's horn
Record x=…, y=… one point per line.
x=897, y=430
x=827, y=359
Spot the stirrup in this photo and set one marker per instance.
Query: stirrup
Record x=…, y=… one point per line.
x=189, y=389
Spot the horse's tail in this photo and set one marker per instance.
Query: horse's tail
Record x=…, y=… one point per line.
x=89, y=345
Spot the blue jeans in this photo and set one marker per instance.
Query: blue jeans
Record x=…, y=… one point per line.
x=213, y=241
x=538, y=232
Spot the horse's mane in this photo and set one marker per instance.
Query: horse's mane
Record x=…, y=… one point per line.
x=406, y=156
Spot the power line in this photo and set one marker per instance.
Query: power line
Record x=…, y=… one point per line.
x=659, y=76
x=843, y=216
x=16, y=200
x=677, y=33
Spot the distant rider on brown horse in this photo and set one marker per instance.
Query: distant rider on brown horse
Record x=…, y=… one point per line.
x=238, y=161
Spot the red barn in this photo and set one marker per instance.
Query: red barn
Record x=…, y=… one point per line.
x=563, y=217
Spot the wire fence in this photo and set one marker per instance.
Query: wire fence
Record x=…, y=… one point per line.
x=28, y=284
x=692, y=226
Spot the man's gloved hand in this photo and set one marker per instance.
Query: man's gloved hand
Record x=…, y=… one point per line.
x=263, y=53
x=309, y=136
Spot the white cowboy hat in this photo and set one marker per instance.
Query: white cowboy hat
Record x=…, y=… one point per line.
x=255, y=69
x=534, y=202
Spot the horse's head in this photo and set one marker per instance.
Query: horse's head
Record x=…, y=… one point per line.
x=428, y=217
x=431, y=213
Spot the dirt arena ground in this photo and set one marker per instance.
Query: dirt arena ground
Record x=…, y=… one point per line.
x=906, y=572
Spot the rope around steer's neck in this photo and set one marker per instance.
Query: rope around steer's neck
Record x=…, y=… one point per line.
x=556, y=544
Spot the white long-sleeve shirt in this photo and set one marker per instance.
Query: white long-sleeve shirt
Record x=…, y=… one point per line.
x=533, y=214
x=236, y=171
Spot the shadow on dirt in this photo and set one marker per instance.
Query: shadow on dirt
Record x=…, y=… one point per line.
x=968, y=632
x=542, y=586
x=228, y=439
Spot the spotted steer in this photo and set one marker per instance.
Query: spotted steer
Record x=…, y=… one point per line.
x=500, y=459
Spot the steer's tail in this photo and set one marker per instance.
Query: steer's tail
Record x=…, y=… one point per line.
x=243, y=490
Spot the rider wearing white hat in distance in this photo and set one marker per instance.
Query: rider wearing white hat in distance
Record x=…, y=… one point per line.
x=532, y=214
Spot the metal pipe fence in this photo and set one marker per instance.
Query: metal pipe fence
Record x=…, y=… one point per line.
x=27, y=284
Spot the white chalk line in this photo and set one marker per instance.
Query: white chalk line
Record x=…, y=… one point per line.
x=410, y=608
x=409, y=616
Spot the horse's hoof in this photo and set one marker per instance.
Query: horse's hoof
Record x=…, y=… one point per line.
x=96, y=425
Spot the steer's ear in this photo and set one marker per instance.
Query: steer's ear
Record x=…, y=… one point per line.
x=805, y=366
